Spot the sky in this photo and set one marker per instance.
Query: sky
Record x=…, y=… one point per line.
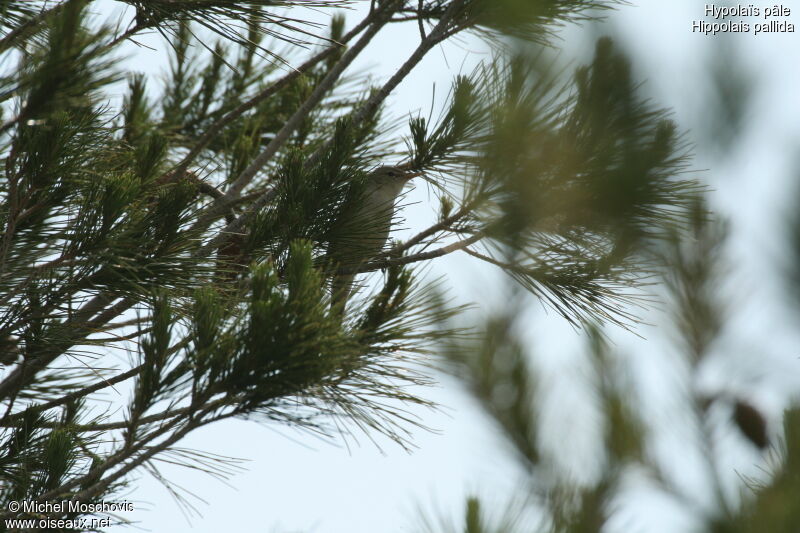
x=292, y=482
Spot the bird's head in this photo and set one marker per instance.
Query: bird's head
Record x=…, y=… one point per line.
x=390, y=179
x=391, y=174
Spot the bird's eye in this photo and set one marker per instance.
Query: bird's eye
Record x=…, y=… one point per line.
x=392, y=174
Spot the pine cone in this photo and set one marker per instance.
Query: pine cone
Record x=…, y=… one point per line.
x=751, y=423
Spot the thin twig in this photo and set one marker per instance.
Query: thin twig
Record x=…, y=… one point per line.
x=124, y=36
x=419, y=21
x=421, y=236
x=422, y=256
x=495, y=262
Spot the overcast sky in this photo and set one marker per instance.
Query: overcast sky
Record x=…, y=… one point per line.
x=296, y=483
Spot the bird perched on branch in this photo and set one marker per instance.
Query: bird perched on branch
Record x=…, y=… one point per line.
x=364, y=227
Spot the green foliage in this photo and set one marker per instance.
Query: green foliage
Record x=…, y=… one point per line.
x=457, y=133
x=197, y=223
x=12, y=13
x=532, y=19
x=224, y=16
x=68, y=70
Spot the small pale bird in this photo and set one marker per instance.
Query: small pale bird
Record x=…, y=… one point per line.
x=365, y=227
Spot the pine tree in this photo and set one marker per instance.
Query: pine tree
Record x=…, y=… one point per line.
x=193, y=222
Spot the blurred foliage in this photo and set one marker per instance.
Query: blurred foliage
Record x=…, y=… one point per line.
x=728, y=105
x=498, y=371
x=690, y=254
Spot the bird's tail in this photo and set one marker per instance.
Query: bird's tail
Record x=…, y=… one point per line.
x=341, y=286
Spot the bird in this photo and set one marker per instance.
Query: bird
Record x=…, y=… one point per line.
x=364, y=228
x=9, y=350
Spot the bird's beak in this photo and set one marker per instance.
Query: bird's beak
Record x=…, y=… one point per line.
x=411, y=175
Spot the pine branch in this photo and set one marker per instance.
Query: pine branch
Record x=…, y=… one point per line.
x=13, y=419
x=107, y=426
x=434, y=38
x=290, y=125
x=97, y=487
x=414, y=258
x=78, y=331
x=374, y=102
x=444, y=224
x=215, y=129
x=124, y=36
x=221, y=17
x=194, y=418
x=29, y=24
